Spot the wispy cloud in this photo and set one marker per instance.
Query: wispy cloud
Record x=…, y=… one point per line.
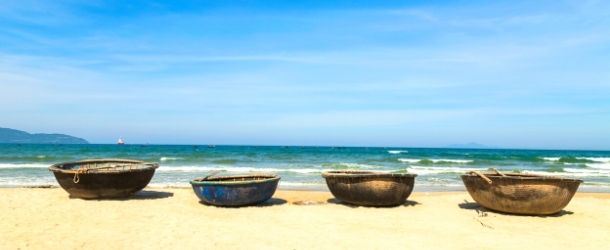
x=270, y=75
x=43, y=13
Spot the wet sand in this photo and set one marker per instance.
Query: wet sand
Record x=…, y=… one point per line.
x=45, y=218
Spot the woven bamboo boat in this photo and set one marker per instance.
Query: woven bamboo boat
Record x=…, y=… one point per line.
x=235, y=190
x=520, y=193
x=103, y=178
x=369, y=188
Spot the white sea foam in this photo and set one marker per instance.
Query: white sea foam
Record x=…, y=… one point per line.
x=579, y=170
x=458, y=161
x=593, y=172
x=407, y=160
x=451, y=161
x=169, y=158
x=311, y=170
x=605, y=165
x=22, y=181
x=28, y=184
x=573, y=173
x=595, y=159
x=551, y=158
x=356, y=165
x=23, y=165
x=238, y=169
x=572, y=163
x=421, y=170
x=395, y=152
x=599, y=162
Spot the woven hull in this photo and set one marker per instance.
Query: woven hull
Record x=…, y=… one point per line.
x=521, y=194
x=104, y=185
x=367, y=188
x=230, y=192
x=96, y=186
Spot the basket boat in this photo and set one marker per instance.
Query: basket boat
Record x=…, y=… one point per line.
x=103, y=178
x=370, y=188
x=526, y=194
x=235, y=190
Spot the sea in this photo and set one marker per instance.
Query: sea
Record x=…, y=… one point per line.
x=300, y=167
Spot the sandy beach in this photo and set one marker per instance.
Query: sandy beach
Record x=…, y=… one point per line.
x=45, y=218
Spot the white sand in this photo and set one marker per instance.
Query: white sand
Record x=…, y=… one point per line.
x=173, y=219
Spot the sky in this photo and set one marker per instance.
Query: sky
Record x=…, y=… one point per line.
x=518, y=74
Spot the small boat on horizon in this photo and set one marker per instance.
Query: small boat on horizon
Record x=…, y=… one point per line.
x=120, y=142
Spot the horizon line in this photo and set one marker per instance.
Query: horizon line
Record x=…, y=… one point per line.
x=317, y=146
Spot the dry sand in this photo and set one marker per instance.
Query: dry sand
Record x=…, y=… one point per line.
x=173, y=219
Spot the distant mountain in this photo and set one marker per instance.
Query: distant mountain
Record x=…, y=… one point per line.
x=8, y=135
x=471, y=145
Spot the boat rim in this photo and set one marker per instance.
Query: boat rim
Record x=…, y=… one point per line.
x=217, y=180
x=363, y=173
x=58, y=166
x=521, y=176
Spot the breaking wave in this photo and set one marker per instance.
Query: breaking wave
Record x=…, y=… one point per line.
x=434, y=161
x=238, y=169
x=23, y=165
x=169, y=158
x=421, y=170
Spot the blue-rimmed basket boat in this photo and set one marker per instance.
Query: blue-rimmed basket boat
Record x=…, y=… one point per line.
x=103, y=178
x=516, y=193
x=370, y=188
x=235, y=190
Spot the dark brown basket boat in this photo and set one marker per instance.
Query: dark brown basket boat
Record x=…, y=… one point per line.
x=520, y=193
x=369, y=188
x=103, y=178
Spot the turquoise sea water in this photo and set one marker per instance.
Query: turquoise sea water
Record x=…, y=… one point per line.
x=300, y=167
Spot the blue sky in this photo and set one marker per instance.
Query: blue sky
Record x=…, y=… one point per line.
x=526, y=74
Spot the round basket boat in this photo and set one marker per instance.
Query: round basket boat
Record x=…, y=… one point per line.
x=235, y=190
x=520, y=193
x=369, y=188
x=103, y=178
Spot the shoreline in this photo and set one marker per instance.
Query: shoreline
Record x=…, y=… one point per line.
x=172, y=218
x=281, y=190
x=437, y=169
x=324, y=188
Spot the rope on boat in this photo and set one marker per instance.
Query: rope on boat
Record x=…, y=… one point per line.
x=84, y=170
x=76, y=178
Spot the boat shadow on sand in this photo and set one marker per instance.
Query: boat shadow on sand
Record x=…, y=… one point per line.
x=268, y=203
x=408, y=203
x=482, y=211
x=141, y=195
